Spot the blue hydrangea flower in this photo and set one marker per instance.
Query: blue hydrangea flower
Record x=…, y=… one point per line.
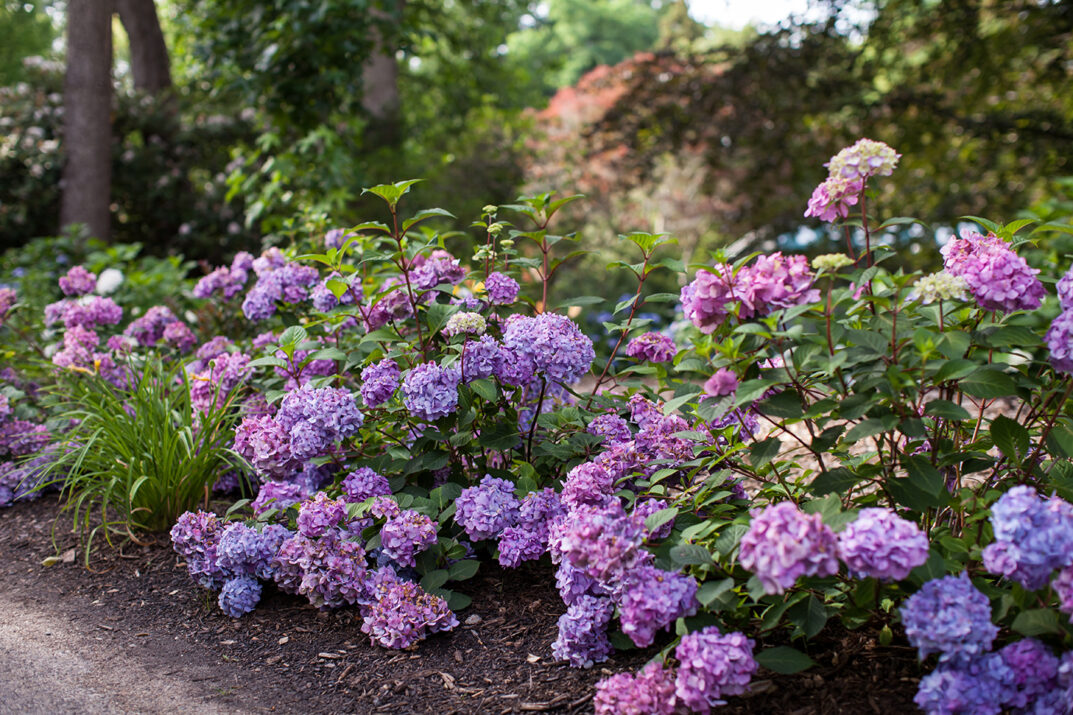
x=239, y=596
x=882, y=545
x=379, y=382
x=583, y=632
x=407, y=534
x=430, y=391
x=951, y=617
x=1033, y=537
x=485, y=510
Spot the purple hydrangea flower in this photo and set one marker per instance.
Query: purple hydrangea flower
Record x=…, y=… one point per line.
x=330, y=571
x=430, y=391
x=1060, y=342
x=484, y=511
x=384, y=507
x=401, y=613
x=553, y=343
x=363, y=483
x=8, y=297
x=239, y=596
x=316, y=419
x=712, y=665
x=245, y=551
x=882, y=545
x=723, y=382
x=978, y=686
x=149, y=328
x=650, y=599
x=481, y=358
x=439, y=267
x=706, y=301
x=1034, y=671
x=783, y=544
x=279, y=495
x=195, y=537
x=1033, y=537
x=224, y=373
x=998, y=278
x=379, y=382
x=78, y=281
x=583, y=632
x=179, y=336
x=87, y=312
x=407, y=534
x=649, y=692
x=772, y=282
x=1065, y=290
x=951, y=617
x=528, y=539
x=573, y=583
x=588, y=483
x=833, y=198
x=652, y=347
x=320, y=514
x=501, y=288
x=5, y=408
x=603, y=540
x=324, y=299
x=266, y=445
x=611, y=427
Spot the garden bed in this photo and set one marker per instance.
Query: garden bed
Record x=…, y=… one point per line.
x=286, y=655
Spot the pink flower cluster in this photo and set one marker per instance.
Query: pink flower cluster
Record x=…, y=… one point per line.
x=998, y=278
x=848, y=171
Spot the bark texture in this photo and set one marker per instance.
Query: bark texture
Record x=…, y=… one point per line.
x=149, y=61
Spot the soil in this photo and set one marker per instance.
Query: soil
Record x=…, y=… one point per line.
x=135, y=634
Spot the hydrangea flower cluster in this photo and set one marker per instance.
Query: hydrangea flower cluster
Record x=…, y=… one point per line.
x=951, y=617
x=149, y=328
x=430, y=391
x=848, y=170
x=711, y=666
x=278, y=280
x=723, y=382
x=783, y=544
x=406, y=534
x=582, y=639
x=940, y=286
x=244, y=551
x=325, y=299
x=650, y=599
x=465, y=323
x=527, y=538
x=611, y=427
x=879, y=544
x=239, y=596
x=602, y=541
x=227, y=281
x=482, y=358
x=650, y=692
x=501, y=288
x=485, y=510
x=401, y=613
x=1060, y=335
x=19, y=438
x=379, y=382
x=706, y=301
x=652, y=347
x=998, y=278
x=8, y=298
x=320, y=514
x=1033, y=537
x=316, y=418
x=437, y=268
x=831, y=262
x=330, y=570
x=87, y=312
x=363, y=483
x=195, y=537
x=551, y=343
x=223, y=373
x=78, y=281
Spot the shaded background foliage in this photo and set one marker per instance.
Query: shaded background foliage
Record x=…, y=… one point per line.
x=280, y=112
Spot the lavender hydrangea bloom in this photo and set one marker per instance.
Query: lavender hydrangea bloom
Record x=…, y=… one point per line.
x=224, y=373
x=149, y=328
x=706, y=301
x=772, y=282
x=316, y=419
x=244, y=551
x=848, y=170
x=650, y=599
x=882, y=545
x=78, y=281
x=998, y=278
x=1034, y=670
x=501, y=288
x=528, y=540
x=712, y=665
x=723, y=382
x=481, y=358
x=583, y=632
x=363, y=483
x=179, y=336
x=783, y=544
x=978, y=686
x=407, y=534
x=384, y=508
x=573, y=583
x=950, y=617
x=611, y=427
x=1033, y=537
x=379, y=382
x=1060, y=342
x=320, y=514
x=87, y=312
x=430, y=391
x=649, y=692
x=330, y=571
x=652, y=347
x=239, y=596
x=278, y=495
x=5, y=408
x=19, y=438
x=833, y=197
x=588, y=483
x=1065, y=290
x=195, y=537
x=8, y=297
x=401, y=613
x=553, y=343
x=603, y=540
x=484, y=511
x=266, y=445
x=439, y=267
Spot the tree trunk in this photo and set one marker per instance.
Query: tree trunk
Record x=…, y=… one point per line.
x=380, y=84
x=87, y=124
x=148, y=54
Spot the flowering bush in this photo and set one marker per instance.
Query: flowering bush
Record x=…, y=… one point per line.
x=819, y=441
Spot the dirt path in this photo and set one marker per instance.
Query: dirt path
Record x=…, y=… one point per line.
x=51, y=665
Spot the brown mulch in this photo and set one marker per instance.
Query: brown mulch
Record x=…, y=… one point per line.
x=286, y=656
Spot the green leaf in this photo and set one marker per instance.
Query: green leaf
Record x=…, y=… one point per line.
x=784, y=660
x=435, y=579
x=834, y=481
x=786, y=404
x=730, y=538
x=581, y=301
x=423, y=215
x=808, y=615
x=712, y=590
x=654, y=521
x=690, y=555
x=485, y=388
x=337, y=287
x=1010, y=437
x=462, y=570
x=871, y=426
x=457, y=601
x=293, y=335
x=947, y=410
x=1060, y=440
x=1037, y=622
x=391, y=193
x=923, y=474
x=988, y=383
x=955, y=369
x=763, y=452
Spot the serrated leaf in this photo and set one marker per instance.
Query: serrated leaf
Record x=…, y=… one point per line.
x=690, y=555
x=1037, y=622
x=462, y=570
x=712, y=590
x=293, y=335
x=653, y=522
x=988, y=383
x=947, y=410
x=1010, y=437
x=870, y=427
x=763, y=452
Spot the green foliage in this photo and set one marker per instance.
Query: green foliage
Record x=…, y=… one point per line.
x=26, y=30
x=136, y=457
